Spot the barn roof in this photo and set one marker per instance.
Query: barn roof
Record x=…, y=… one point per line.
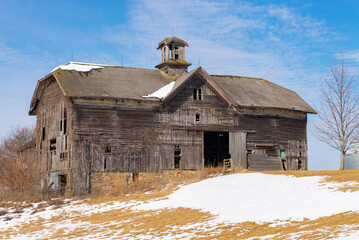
x=257, y=92
x=170, y=40
x=81, y=80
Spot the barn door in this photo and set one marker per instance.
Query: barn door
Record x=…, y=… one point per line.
x=238, y=149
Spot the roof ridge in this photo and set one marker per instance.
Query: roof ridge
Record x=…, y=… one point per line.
x=224, y=75
x=114, y=66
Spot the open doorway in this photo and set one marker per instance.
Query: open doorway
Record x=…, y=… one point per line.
x=216, y=148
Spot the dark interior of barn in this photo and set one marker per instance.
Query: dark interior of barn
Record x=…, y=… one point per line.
x=216, y=148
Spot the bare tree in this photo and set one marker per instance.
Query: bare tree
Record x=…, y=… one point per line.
x=15, y=172
x=339, y=110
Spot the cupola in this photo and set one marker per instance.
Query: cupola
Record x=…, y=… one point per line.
x=173, y=56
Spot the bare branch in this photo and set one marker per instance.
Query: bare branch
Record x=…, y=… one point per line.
x=339, y=110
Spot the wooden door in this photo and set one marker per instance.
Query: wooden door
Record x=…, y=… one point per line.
x=238, y=149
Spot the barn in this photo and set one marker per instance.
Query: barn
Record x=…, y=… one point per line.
x=96, y=123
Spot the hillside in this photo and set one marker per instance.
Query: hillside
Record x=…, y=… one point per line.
x=311, y=205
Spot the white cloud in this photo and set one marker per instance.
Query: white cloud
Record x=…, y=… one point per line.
x=9, y=55
x=352, y=55
x=235, y=37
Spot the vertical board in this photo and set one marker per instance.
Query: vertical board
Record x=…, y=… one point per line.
x=237, y=149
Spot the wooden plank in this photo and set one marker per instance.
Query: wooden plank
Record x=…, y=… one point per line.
x=238, y=149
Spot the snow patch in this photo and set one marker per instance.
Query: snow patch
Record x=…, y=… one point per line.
x=80, y=67
x=162, y=92
x=260, y=198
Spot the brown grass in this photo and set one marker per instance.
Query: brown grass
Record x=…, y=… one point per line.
x=190, y=223
x=341, y=176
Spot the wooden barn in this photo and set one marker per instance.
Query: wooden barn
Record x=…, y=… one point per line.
x=95, y=120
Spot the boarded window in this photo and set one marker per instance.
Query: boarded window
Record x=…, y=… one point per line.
x=177, y=156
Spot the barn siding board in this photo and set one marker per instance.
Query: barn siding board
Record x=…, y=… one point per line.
x=238, y=149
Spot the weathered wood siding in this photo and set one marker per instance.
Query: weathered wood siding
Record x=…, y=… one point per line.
x=238, y=149
x=53, y=142
x=180, y=128
x=135, y=137
x=269, y=134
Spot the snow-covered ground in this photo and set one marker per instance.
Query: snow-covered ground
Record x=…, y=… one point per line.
x=230, y=199
x=261, y=197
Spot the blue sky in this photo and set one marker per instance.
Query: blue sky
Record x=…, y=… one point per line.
x=290, y=43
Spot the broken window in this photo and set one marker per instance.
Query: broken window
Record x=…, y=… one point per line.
x=198, y=117
x=197, y=94
x=53, y=145
x=135, y=176
x=43, y=134
x=108, y=149
x=63, y=120
x=177, y=156
x=65, y=143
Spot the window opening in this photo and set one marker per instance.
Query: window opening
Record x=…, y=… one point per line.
x=43, y=134
x=176, y=53
x=177, y=156
x=135, y=176
x=300, y=164
x=65, y=143
x=198, y=117
x=108, y=149
x=53, y=145
x=105, y=164
x=199, y=94
x=195, y=94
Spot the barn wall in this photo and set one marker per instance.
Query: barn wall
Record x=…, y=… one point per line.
x=108, y=138
x=268, y=134
x=53, y=142
x=180, y=128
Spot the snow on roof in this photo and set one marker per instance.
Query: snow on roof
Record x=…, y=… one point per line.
x=162, y=92
x=80, y=67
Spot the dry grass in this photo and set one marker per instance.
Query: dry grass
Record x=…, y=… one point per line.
x=343, y=176
x=154, y=188
x=182, y=222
